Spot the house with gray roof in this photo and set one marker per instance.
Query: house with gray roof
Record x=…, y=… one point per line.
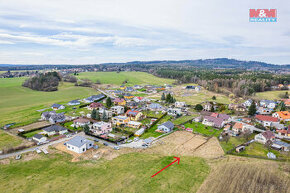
x=39, y=138
x=79, y=144
x=57, y=118
x=54, y=129
x=73, y=103
x=57, y=107
x=155, y=107
x=213, y=121
x=166, y=127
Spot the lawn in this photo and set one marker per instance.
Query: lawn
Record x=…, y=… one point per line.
x=55, y=173
x=32, y=133
x=133, y=78
x=153, y=114
x=182, y=119
x=233, y=142
x=270, y=95
x=258, y=149
x=19, y=104
x=202, y=129
x=7, y=140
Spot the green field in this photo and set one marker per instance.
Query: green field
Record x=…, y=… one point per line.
x=270, y=95
x=133, y=78
x=127, y=173
x=7, y=140
x=202, y=129
x=19, y=104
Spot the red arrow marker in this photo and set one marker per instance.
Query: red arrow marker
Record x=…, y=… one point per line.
x=177, y=160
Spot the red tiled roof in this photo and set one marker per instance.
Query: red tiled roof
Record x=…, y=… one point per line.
x=266, y=118
x=95, y=105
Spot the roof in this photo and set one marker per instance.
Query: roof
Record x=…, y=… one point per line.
x=74, y=101
x=79, y=141
x=217, y=121
x=281, y=143
x=283, y=131
x=155, y=106
x=121, y=117
x=38, y=136
x=132, y=113
x=268, y=135
x=81, y=120
x=238, y=126
x=284, y=114
x=56, y=105
x=168, y=124
x=94, y=105
x=118, y=100
x=55, y=128
x=266, y=118
x=57, y=116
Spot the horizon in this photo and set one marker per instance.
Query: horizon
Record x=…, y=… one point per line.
x=90, y=32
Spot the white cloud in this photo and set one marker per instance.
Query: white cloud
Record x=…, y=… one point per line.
x=133, y=30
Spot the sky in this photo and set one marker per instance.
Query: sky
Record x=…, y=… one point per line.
x=99, y=31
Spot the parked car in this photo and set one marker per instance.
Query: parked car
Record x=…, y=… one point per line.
x=116, y=147
x=18, y=157
x=136, y=139
x=96, y=140
x=105, y=144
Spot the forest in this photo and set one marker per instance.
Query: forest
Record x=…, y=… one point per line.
x=43, y=82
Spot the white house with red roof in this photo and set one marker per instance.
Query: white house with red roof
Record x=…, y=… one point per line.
x=266, y=121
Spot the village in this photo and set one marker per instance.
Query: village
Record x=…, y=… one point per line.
x=129, y=117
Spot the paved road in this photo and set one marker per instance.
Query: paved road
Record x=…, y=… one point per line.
x=105, y=93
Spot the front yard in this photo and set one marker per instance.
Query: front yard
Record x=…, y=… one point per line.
x=202, y=129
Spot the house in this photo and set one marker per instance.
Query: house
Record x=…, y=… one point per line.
x=129, y=89
x=248, y=102
x=56, y=118
x=79, y=144
x=47, y=115
x=118, y=92
x=57, y=107
x=134, y=124
x=278, y=126
x=264, y=137
x=166, y=127
x=123, y=87
x=179, y=104
x=39, y=138
x=280, y=145
x=265, y=120
x=225, y=117
x=81, y=122
x=197, y=88
x=117, y=110
x=95, y=106
x=108, y=113
x=134, y=115
x=138, y=87
x=89, y=100
x=119, y=101
x=282, y=115
x=208, y=106
x=139, y=132
x=73, y=103
x=174, y=111
x=238, y=128
x=213, y=121
x=54, y=129
x=155, y=107
x=128, y=96
x=132, y=105
x=120, y=120
x=100, y=128
x=139, y=99
x=268, y=104
x=190, y=87
x=283, y=132
x=264, y=111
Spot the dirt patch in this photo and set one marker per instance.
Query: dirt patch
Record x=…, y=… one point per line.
x=29, y=127
x=183, y=143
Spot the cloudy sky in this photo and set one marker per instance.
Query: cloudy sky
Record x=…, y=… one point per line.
x=97, y=31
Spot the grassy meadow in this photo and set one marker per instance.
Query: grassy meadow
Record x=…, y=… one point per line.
x=270, y=95
x=7, y=140
x=126, y=173
x=133, y=78
x=19, y=104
